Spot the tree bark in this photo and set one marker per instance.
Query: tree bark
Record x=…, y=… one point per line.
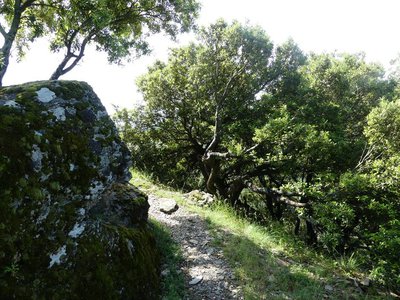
x=297, y=226
x=62, y=68
x=5, y=59
x=212, y=176
x=311, y=235
x=210, y=160
x=9, y=38
x=279, y=197
x=235, y=189
x=268, y=197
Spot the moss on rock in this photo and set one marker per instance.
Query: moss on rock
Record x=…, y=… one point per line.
x=71, y=226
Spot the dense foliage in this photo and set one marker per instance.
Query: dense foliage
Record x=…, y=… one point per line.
x=309, y=140
x=116, y=27
x=21, y=22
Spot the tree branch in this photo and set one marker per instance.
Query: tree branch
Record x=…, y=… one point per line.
x=219, y=154
x=217, y=128
x=279, y=196
x=251, y=148
x=27, y=4
x=367, y=153
x=3, y=31
x=235, y=74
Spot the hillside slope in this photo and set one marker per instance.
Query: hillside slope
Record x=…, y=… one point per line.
x=268, y=262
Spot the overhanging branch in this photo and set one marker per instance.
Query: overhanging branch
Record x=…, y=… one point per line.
x=280, y=196
x=3, y=31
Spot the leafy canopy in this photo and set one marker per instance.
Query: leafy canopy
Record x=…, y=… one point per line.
x=117, y=27
x=302, y=139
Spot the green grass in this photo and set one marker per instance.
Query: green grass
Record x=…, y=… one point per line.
x=172, y=282
x=269, y=262
x=272, y=264
x=147, y=184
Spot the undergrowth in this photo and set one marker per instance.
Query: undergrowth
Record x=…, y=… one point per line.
x=269, y=261
x=172, y=280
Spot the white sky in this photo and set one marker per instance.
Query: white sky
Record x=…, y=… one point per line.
x=371, y=26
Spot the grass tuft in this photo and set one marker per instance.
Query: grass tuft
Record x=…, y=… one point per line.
x=269, y=261
x=172, y=279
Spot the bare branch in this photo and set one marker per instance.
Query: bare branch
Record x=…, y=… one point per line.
x=366, y=155
x=3, y=31
x=217, y=128
x=291, y=202
x=219, y=154
x=251, y=148
x=279, y=196
x=234, y=75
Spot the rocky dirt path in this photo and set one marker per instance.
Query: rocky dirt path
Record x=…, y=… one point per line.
x=207, y=274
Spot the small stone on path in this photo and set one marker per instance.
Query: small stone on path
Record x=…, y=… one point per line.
x=168, y=206
x=194, y=242
x=196, y=280
x=210, y=251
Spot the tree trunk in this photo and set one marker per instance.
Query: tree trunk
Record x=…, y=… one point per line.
x=4, y=59
x=9, y=38
x=268, y=197
x=278, y=211
x=297, y=226
x=211, y=165
x=311, y=235
x=235, y=189
x=273, y=204
x=62, y=67
x=59, y=71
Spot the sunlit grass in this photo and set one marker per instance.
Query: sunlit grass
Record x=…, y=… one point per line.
x=268, y=261
x=147, y=184
x=272, y=264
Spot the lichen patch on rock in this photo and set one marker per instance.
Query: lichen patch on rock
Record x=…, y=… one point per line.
x=45, y=95
x=56, y=257
x=71, y=225
x=12, y=103
x=59, y=113
x=77, y=230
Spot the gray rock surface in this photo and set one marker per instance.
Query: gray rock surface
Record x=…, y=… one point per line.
x=199, y=198
x=168, y=206
x=71, y=226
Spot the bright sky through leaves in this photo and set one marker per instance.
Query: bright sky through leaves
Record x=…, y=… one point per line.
x=352, y=26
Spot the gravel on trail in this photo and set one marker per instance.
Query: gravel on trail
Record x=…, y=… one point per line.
x=207, y=273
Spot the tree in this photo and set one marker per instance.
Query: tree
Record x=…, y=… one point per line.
x=380, y=165
x=117, y=27
x=334, y=95
x=204, y=101
x=22, y=21
x=276, y=133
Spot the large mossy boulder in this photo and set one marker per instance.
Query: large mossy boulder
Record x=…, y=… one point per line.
x=71, y=226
